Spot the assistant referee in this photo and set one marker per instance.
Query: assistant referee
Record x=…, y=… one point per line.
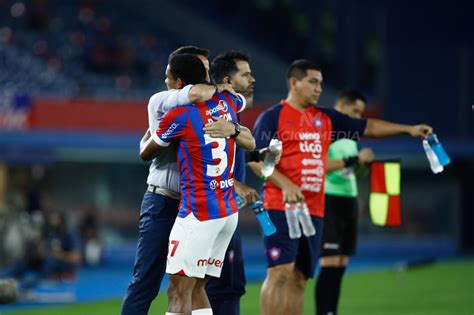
x=339, y=238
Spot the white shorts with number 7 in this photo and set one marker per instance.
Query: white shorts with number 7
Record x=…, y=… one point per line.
x=197, y=248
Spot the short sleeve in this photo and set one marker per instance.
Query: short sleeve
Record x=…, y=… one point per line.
x=266, y=126
x=345, y=127
x=171, y=126
x=163, y=101
x=176, y=98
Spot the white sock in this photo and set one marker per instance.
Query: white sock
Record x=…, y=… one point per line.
x=169, y=313
x=202, y=311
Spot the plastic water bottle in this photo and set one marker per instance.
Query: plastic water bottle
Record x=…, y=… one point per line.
x=438, y=150
x=241, y=202
x=292, y=213
x=435, y=165
x=263, y=218
x=305, y=219
x=270, y=158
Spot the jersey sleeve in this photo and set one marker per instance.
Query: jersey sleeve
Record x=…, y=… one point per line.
x=240, y=103
x=171, y=126
x=345, y=127
x=266, y=127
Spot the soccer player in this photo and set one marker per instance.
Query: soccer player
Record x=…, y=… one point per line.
x=160, y=202
x=345, y=163
x=208, y=212
x=306, y=132
x=224, y=293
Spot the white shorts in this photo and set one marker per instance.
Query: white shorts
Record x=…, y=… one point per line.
x=197, y=248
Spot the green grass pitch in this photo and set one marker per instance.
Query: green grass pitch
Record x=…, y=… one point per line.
x=439, y=289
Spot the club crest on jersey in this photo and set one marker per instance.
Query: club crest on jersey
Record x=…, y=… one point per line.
x=318, y=122
x=222, y=106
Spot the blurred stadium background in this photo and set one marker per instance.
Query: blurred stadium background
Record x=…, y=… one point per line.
x=75, y=77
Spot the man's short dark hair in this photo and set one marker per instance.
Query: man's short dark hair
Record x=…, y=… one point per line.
x=298, y=69
x=225, y=65
x=193, y=50
x=188, y=68
x=351, y=96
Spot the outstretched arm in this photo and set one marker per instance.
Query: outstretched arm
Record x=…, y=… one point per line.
x=378, y=128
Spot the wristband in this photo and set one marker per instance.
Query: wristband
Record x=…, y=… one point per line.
x=253, y=156
x=351, y=161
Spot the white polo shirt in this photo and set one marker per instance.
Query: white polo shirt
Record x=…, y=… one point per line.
x=164, y=169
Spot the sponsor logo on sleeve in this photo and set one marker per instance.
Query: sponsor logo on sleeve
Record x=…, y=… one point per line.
x=171, y=128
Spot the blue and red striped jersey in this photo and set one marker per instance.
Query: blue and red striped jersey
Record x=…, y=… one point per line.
x=206, y=164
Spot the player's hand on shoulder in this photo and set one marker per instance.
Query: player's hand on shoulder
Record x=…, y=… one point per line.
x=219, y=128
x=421, y=131
x=292, y=193
x=221, y=87
x=366, y=156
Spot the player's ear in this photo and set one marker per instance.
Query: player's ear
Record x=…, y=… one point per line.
x=292, y=82
x=226, y=80
x=180, y=83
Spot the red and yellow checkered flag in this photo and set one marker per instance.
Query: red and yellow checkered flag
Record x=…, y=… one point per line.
x=384, y=203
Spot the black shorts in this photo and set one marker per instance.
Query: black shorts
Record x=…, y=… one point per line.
x=340, y=226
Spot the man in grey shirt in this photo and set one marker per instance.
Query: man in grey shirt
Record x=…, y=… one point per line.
x=161, y=200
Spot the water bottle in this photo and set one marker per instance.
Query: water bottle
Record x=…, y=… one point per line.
x=270, y=158
x=305, y=219
x=263, y=218
x=241, y=202
x=438, y=150
x=435, y=165
x=291, y=213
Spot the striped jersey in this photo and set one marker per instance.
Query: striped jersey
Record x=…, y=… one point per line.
x=206, y=164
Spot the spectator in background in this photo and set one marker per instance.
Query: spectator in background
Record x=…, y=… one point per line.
x=64, y=247
x=54, y=254
x=90, y=234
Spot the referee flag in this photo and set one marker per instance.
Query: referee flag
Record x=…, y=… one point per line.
x=384, y=201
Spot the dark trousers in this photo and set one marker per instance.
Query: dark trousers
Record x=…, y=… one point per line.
x=157, y=216
x=224, y=293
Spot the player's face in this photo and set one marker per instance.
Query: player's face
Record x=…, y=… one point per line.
x=205, y=61
x=243, y=81
x=310, y=87
x=353, y=110
x=170, y=81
